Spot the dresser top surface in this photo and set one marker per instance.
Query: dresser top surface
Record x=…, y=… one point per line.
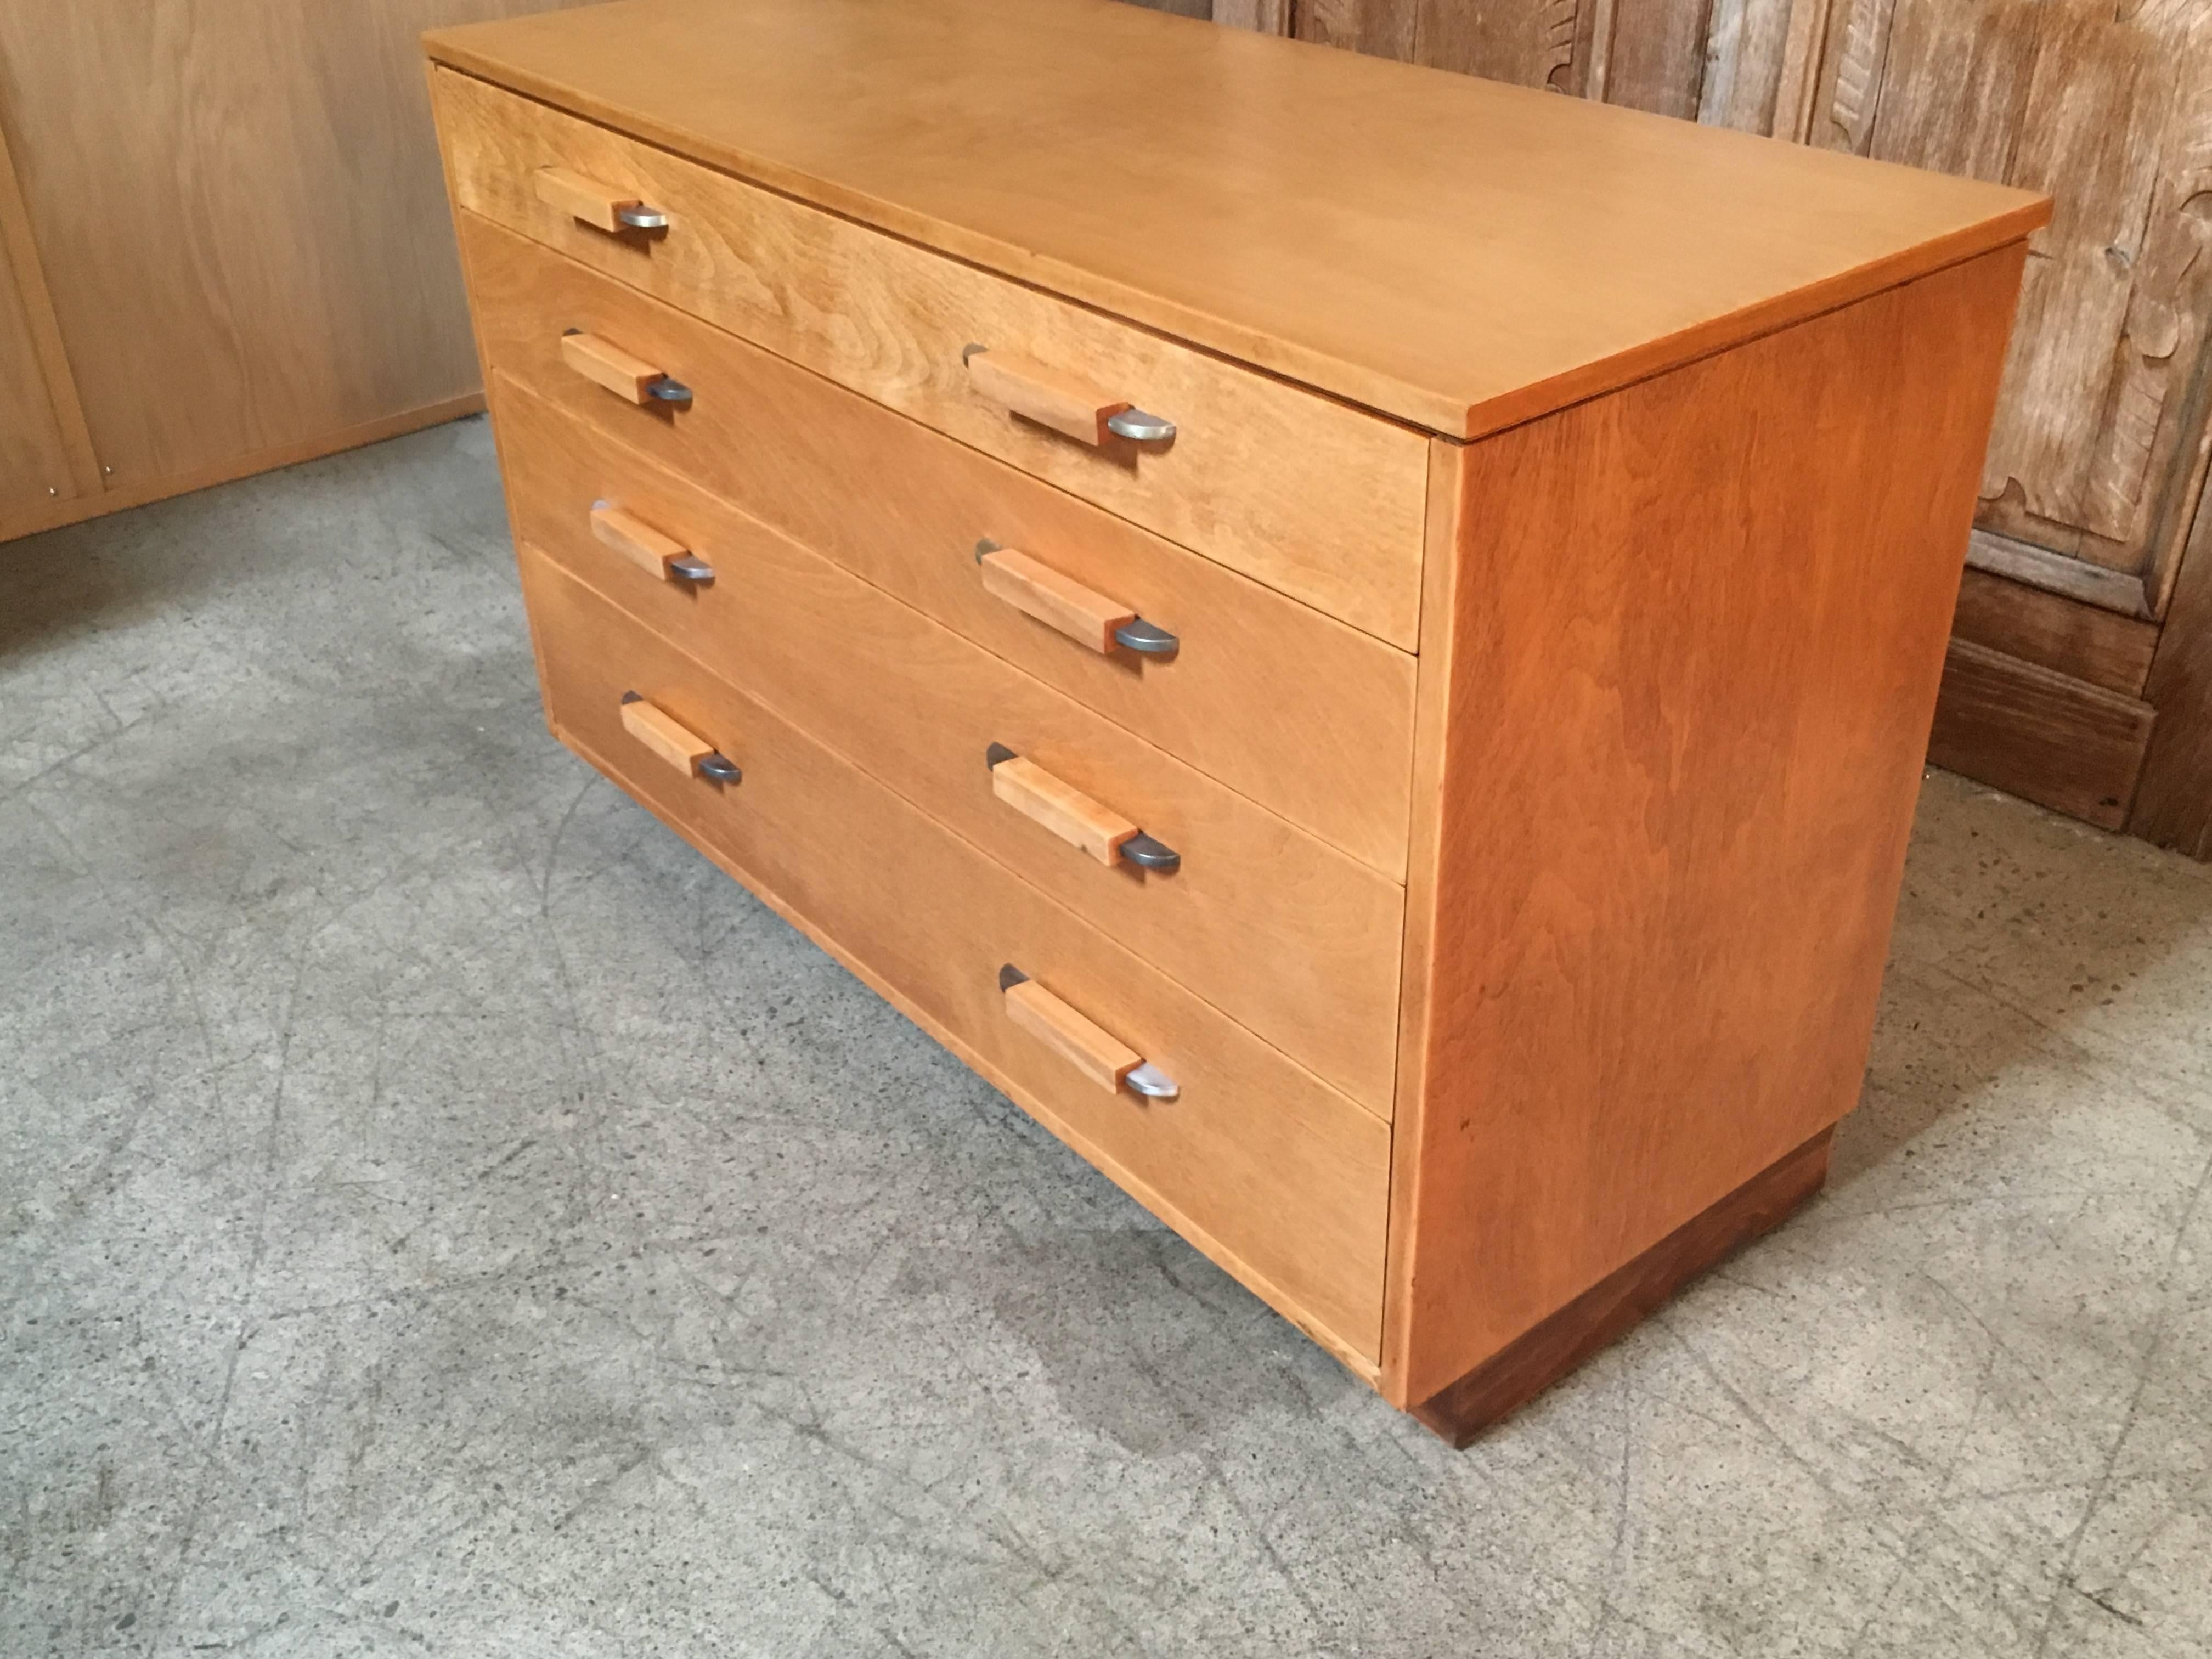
x=1459, y=253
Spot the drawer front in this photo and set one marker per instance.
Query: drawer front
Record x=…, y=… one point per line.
x=1279, y=930
x=1311, y=497
x=1273, y=1173
x=1289, y=706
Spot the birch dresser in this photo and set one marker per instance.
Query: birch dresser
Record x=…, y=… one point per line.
x=1359, y=641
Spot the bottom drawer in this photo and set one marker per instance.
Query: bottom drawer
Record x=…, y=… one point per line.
x=1270, y=1171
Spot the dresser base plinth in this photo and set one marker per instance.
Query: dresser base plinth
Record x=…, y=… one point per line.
x=1610, y=1309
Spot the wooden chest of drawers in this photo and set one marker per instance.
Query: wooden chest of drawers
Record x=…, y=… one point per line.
x=1358, y=641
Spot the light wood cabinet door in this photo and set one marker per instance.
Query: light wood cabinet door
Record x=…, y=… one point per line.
x=2099, y=452
x=240, y=216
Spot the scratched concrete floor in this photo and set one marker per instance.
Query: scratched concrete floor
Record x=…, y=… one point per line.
x=441, y=1215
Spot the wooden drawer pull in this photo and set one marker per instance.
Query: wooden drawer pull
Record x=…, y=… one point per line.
x=646, y=548
x=594, y=203
x=675, y=742
x=1098, y=1054
x=1063, y=603
x=1071, y=815
x=627, y=377
x=1064, y=402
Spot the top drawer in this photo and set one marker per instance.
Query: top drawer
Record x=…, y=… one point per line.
x=1311, y=497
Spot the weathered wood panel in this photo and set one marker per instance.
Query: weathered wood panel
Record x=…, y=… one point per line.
x=2079, y=641
x=2174, y=803
x=2043, y=736
x=1380, y=28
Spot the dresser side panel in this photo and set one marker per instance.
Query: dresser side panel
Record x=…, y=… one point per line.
x=1695, y=630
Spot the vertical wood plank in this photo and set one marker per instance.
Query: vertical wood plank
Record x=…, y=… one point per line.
x=1380, y=28
x=1656, y=60
x=1747, y=54
x=1536, y=45
x=1855, y=54
x=2081, y=109
x=51, y=457
x=1797, y=92
x=2173, y=799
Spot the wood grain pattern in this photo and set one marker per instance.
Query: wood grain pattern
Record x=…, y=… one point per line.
x=1657, y=57
x=1037, y=392
x=57, y=514
x=2099, y=451
x=664, y=736
x=2110, y=316
x=1297, y=941
x=45, y=450
x=1318, y=501
x=1311, y=214
x=2043, y=736
x=1443, y=667
x=247, y=252
x=1543, y=44
x=2119, y=591
x=1624, y=1299
x=35, y=462
x=1098, y=1054
x=1761, y=56
x=2079, y=641
x=1378, y=29
x=1276, y=1176
x=1038, y=590
x=2173, y=799
x=1266, y=16
x=1665, y=885
x=1301, y=713
x=1059, y=808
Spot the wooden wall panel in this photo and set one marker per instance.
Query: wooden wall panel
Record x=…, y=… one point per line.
x=2098, y=453
x=2044, y=737
x=47, y=462
x=240, y=216
x=1656, y=58
x=1380, y=28
x=2097, y=467
x=1754, y=49
x=1534, y=45
x=2078, y=640
x=1265, y=17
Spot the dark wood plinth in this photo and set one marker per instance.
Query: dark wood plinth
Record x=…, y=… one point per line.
x=1609, y=1309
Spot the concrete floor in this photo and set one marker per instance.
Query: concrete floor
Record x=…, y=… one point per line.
x=442, y=1215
